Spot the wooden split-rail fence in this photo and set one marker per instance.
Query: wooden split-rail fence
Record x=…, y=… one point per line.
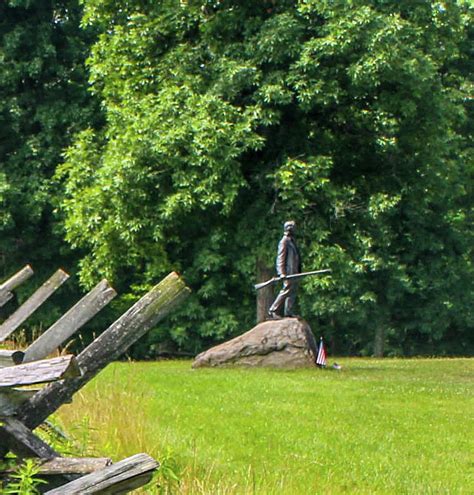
x=24, y=409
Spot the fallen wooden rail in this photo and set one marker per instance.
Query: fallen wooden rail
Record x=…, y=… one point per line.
x=121, y=477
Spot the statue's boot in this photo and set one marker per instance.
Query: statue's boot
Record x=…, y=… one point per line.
x=273, y=315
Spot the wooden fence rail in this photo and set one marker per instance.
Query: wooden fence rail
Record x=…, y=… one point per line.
x=5, y=289
x=109, y=346
x=22, y=410
x=32, y=304
x=121, y=477
x=67, y=465
x=47, y=370
x=23, y=442
x=70, y=322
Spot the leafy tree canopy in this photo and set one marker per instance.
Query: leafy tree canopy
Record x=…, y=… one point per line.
x=224, y=118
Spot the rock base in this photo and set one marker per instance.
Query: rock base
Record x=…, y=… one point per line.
x=285, y=343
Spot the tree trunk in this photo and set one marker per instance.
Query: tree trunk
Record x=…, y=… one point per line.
x=265, y=296
x=379, y=340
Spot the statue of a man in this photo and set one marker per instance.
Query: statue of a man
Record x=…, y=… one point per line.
x=288, y=262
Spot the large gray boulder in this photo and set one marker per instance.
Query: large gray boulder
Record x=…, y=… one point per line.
x=285, y=343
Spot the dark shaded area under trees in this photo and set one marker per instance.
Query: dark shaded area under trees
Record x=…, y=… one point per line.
x=198, y=127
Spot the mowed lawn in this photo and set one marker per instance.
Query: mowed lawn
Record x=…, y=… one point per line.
x=377, y=426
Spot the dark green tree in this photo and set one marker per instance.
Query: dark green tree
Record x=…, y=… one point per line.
x=44, y=101
x=223, y=119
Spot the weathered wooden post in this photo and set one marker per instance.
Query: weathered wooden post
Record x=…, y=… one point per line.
x=32, y=304
x=12, y=282
x=70, y=322
x=110, y=345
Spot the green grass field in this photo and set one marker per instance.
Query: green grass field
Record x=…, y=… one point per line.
x=375, y=427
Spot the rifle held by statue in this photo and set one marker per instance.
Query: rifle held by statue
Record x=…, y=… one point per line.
x=274, y=280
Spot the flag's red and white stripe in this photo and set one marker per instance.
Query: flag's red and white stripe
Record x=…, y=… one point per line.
x=321, y=359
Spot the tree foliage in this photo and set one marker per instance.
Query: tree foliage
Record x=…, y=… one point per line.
x=44, y=101
x=223, y=119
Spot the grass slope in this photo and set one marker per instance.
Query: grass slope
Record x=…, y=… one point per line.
x=375, y=427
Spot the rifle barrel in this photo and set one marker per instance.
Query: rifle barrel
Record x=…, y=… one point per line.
x=274, y=280
x=304, y=274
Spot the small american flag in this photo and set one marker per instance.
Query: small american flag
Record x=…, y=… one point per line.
x=321, y=359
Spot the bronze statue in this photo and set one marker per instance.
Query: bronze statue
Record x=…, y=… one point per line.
x=288, y=262
x=288, y=266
